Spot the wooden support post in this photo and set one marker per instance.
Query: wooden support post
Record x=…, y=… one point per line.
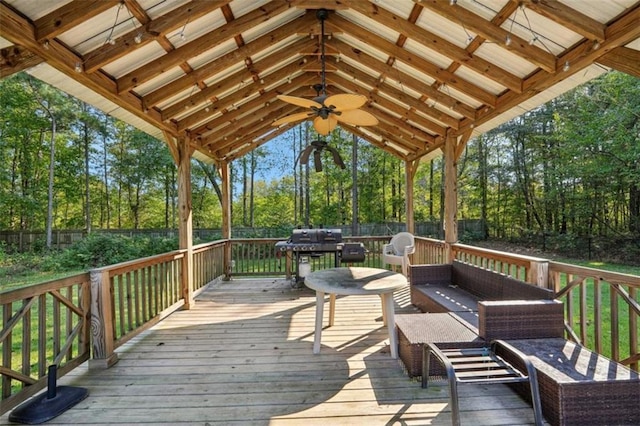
x=410, y=168
x=185, y=222
x=539, y=274
x=226, y=216
x=101, y=321
x=450, y=196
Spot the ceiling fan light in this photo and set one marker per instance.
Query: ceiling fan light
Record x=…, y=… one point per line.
x=326, y=110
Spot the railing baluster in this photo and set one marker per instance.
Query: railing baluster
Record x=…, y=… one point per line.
x=615, y=330
x=583, y=312
x=597, y=315
x=569, y=304
x=7, y=343
x=127, y=278
x=633, y=328
x=42, y=334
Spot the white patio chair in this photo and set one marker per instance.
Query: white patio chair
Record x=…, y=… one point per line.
x=398, y=250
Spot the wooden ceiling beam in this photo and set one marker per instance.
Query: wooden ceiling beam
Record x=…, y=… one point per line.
x=238, y=79
x=294, y=89
x=386, y=115
x=410, y=82
x=567, y=17
x=240, y=96
x=619, y=33
x=390, y=130
x=257, y=131
x=391, y=106
x=213, y=94
x=622, y=59
x=66, y=17
x=441, y=75
x=16, y=28
x=229, y=117
x=221, y=123
x=404, y=98
x=226, y=60
x=249, y=123
x=156, y=29
x=202, y=44
x=438, y=44
x=489, y=31
x=245, y=146
x=14, y=59
x=320, y=4
x=366, y=133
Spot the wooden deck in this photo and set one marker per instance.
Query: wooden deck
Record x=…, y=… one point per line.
x=243, y=355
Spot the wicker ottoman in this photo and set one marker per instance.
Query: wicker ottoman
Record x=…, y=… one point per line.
x=448, y=331
x=580, y=387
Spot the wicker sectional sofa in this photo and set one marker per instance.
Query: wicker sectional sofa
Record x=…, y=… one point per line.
x=473, y=300
x=458, y=287
x=576, y=386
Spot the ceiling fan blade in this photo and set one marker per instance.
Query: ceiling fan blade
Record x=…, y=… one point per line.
x=292, y=118
x=317, y=160
x=303, y=102
x=345, y=101
x=304, y=157
x=325, y=126
x=336, y=157
x=357, y=117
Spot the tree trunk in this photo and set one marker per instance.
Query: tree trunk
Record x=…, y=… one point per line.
x=253, y=193
x=245, y=190
x=482, y=172
x=106, y=181
x=354, y=187
x=431, y=193
x=307, y=212
x=634, y=209
x=87, y=201
x=52, y=159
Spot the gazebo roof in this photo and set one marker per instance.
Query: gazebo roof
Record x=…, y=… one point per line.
x=210, y=70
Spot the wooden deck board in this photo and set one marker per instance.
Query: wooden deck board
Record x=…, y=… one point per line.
x=243, y=355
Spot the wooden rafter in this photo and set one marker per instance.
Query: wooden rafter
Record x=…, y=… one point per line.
x=15, y=58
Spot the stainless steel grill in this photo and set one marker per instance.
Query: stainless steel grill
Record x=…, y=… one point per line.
x=316, y=242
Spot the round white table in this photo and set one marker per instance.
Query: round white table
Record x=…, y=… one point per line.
x=355, y=281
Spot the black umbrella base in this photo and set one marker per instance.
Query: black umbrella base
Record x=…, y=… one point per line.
x=42, y=409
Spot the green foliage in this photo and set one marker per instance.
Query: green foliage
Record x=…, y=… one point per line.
x=98, y=250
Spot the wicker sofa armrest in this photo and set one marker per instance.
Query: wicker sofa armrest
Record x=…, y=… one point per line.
x=520, y=319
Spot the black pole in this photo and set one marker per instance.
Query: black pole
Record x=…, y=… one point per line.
x=51, y=381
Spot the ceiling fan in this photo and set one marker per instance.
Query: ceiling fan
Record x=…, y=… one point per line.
x=327, y=111
x=317, y=147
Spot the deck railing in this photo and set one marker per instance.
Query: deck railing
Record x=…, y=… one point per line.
x=208, y=263
x=601, y=309
x=259, y=257
x=48, y=323
x=42, y=325
x=429, y=251
x=130, y=297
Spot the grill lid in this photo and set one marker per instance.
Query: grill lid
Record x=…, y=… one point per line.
x=319, y=236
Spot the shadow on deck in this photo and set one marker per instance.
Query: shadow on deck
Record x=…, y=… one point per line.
x=243, y=355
